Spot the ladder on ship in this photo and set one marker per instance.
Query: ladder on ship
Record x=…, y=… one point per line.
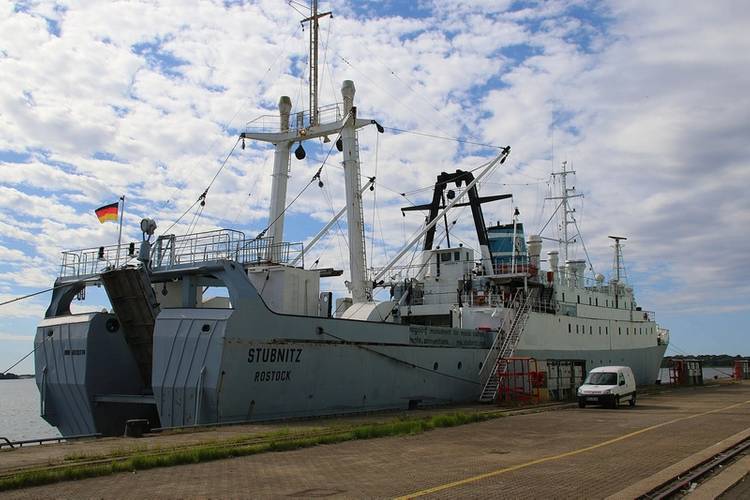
x=496, y=362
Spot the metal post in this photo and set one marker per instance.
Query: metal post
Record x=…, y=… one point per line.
x=119, y=235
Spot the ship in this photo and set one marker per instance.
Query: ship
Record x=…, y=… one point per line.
x=453, y=329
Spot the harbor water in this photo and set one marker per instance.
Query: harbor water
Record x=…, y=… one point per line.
x=19, y=405
x=19, y=411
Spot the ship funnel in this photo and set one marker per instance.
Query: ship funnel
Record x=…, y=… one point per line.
x=575, y=269
x=553, y=259
x=285, y=107
x=534, y=248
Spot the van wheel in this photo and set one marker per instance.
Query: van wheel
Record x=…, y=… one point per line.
x=632, y=400
x=616, y=402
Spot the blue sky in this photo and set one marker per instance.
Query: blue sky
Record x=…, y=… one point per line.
x=647, y=102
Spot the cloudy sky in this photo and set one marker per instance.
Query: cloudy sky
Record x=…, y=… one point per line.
x=648, y=101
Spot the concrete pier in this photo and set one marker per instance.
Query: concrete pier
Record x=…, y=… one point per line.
x=572, y=452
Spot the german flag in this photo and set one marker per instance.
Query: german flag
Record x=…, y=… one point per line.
x=107, y=212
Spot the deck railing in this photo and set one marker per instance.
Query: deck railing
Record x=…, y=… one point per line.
x=171, y=251
x=297, y=121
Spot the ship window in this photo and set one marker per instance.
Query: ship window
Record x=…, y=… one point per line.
x=445, y=257
x=596, y=301
x=457, y=256
x=619, y=330
x=459, y=365
x=607, y=301
x=576, y=328
x=435, y=366
x=591, y=330
x=600, y=330
x=568, y=327
x=606, y=330
x=563, y=295
x=579, y=298
x=589, y=300
x=627, y=331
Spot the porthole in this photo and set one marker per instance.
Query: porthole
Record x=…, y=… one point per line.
x=435, y=366
x=112, y=325
x=459, y=365
x=206, y=327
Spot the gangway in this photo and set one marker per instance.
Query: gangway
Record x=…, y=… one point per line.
x=495, y=364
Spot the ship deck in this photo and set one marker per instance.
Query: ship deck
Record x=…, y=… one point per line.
x=572, y=452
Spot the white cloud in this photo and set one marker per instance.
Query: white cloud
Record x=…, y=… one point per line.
x=649, y=103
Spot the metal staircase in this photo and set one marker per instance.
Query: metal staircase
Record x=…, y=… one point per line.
x=495, y=364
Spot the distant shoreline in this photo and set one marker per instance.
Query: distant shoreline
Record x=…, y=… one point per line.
x=13, y=376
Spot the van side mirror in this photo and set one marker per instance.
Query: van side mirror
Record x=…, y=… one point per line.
x=622, y=382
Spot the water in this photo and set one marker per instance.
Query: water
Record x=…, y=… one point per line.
x=19, y=411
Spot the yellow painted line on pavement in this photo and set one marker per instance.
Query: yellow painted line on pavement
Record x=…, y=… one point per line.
x=497, y=472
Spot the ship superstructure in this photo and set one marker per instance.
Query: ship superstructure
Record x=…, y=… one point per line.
x=566, y=316
x=275, y=346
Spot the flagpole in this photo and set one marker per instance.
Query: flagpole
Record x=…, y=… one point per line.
x=119, y=235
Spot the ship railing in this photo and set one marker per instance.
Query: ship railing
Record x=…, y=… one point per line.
x=225, y=244
x=520, y=266
x=297, y=121
x=640, y=315
x=171, y=251
x=91, y=261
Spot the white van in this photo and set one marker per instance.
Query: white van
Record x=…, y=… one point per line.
x=608, y=386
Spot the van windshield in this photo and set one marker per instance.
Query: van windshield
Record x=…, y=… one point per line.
x=601, y=378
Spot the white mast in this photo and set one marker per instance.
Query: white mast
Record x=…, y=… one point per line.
x=279, y=180
x=360, y=287
x=299, y=132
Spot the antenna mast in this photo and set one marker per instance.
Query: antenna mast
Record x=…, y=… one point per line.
x=313, y=59
x=618, y=267
x=567, y=194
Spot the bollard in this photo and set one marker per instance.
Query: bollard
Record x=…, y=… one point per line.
x=136, y=427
